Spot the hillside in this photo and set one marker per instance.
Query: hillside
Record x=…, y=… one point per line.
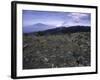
x=51, y=51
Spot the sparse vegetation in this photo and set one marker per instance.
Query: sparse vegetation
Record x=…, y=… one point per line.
x=51, y=51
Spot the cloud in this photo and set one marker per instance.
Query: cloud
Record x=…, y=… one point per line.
x=77, y=17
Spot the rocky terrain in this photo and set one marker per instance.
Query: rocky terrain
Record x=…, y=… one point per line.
x=57, y=50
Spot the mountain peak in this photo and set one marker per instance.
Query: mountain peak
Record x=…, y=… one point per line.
x=39, y=24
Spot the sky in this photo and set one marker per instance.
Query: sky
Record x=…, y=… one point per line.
x=57, y=19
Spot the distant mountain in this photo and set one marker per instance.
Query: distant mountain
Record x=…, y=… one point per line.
x=62, y=30
x=36, y=27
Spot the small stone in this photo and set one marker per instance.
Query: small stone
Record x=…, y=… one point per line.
x=52, y=65
x=69, y=52
x=85, y=49
x=54, y=49
x=81, y=46
x=80, y=65
x=46, y=50
x=38, y=52
x=46, y=59
x=53, y=56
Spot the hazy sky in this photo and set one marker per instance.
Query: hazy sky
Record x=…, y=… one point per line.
x=31, y=17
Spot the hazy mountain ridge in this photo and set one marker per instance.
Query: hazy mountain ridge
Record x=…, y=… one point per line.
x=71, y=29
x=62, y=30
x=45, y=28
x=36, y=27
